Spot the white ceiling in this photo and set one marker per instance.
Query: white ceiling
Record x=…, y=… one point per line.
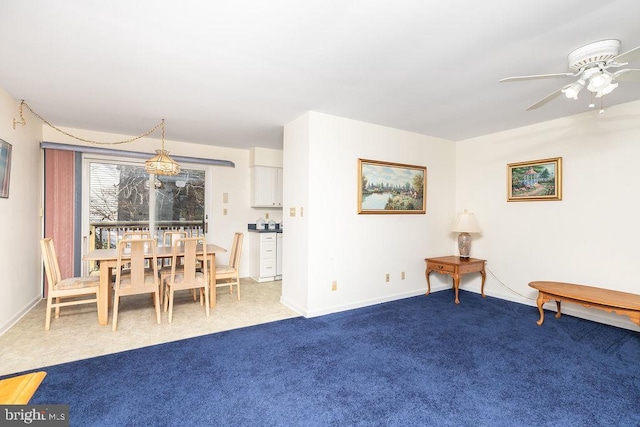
x=232, y=73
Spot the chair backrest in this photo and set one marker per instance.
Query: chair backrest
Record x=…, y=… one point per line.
x=187, y=248
x=236, y=251
x=50, y=259
x=169, y=236
x=136, y=235
x=134, y=253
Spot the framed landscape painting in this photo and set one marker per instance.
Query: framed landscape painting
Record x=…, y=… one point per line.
x=535, y=180
x=5, y=168
x=391, y=188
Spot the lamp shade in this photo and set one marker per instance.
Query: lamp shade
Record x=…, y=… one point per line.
x=465, y=223
x=162, y=164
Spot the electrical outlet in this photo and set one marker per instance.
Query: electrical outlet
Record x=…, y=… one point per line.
x=301, y=211
x=224, y=211
x=334, y=285
x=292, y=211
x=386, y=277
x=266, y=215
x=402, y=275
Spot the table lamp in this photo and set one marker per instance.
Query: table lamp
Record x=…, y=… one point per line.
x=465, y=224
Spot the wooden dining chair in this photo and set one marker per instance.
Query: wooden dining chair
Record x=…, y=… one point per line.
x=84, y=288
x=228, y=275
x=168, y=239
x=136, y=253
x=188, y=275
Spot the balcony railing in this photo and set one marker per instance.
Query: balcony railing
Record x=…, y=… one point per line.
x=105, y=235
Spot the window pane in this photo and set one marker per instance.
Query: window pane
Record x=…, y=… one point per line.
x=180, y=197
x=123, y=198
x=118, y=201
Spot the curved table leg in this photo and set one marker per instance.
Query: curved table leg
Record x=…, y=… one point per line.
x=558, y=314
x=484, y=276
x=456, y=286
x=540, y=302
x=428, y=283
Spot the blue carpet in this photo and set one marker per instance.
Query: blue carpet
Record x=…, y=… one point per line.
x=417, y=361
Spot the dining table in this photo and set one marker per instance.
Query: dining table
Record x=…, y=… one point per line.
x=107, y=259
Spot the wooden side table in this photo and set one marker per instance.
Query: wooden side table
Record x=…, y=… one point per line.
x=455, y=267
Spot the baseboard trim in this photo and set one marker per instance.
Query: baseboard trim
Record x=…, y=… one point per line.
x=19, y=315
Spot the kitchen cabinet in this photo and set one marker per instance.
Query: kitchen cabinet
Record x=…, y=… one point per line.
x=265, y=257
x=266, y=187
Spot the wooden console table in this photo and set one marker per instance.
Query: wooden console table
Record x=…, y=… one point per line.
x=621, y=303
x=455, y=267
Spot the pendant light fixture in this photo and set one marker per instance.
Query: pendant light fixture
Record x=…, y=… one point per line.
x=161, y=163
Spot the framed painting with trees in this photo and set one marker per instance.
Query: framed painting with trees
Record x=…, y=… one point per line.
x=391, y=188
x=535, y=180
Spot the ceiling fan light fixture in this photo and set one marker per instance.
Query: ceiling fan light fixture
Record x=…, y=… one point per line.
x=606, y=90
x=600, y=81
x=573, y=89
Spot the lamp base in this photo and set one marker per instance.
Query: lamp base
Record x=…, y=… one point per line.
x=464, y=245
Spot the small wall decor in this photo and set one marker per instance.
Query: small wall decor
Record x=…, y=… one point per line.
x=535, y=180
x=391, y=188
x=5, y=168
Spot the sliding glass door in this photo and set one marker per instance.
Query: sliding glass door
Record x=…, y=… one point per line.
x=120, y=196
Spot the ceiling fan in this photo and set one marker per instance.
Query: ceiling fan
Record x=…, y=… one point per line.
x=591, y=64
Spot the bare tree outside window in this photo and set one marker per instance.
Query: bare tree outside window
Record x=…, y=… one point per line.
x=119, y=201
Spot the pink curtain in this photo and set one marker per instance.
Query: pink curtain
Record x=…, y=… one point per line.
x=59, y=184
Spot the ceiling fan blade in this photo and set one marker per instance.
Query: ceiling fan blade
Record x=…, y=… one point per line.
x=628, y=74
x=629, y=56
x=536, y=77
x=546, y=99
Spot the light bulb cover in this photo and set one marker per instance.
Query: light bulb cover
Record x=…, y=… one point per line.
x=606, y=90
x=599, y=81
x=573, y=89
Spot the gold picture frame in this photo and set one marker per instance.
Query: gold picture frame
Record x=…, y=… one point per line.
x=536, y=180
x=391, y=188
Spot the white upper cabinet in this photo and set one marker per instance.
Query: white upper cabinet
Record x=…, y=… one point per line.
x=266, y=188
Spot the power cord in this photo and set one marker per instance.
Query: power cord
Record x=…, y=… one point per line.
x=507, y=287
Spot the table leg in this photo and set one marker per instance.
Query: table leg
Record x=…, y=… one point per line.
x=103, y=293
x=212, y=279
x=428, y=283
x=484, y=276
x=558, y=314
x=540, y=302
x=456, y=286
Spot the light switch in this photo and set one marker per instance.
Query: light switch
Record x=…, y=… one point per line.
x=301, y=211
x=292, y=211
x=225, y=197
x=224, y=211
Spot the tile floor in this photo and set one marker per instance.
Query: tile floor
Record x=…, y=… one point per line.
x=77, y=334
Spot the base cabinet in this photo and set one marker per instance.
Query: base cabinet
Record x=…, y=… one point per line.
x=264, y=256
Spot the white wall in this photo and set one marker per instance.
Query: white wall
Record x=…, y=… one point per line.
x=590, y=237
x=295, y=237
x=332, y=242
x=234, y=181
x=20, y=264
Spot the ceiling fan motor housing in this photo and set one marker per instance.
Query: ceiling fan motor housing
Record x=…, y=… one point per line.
x=593, y=53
